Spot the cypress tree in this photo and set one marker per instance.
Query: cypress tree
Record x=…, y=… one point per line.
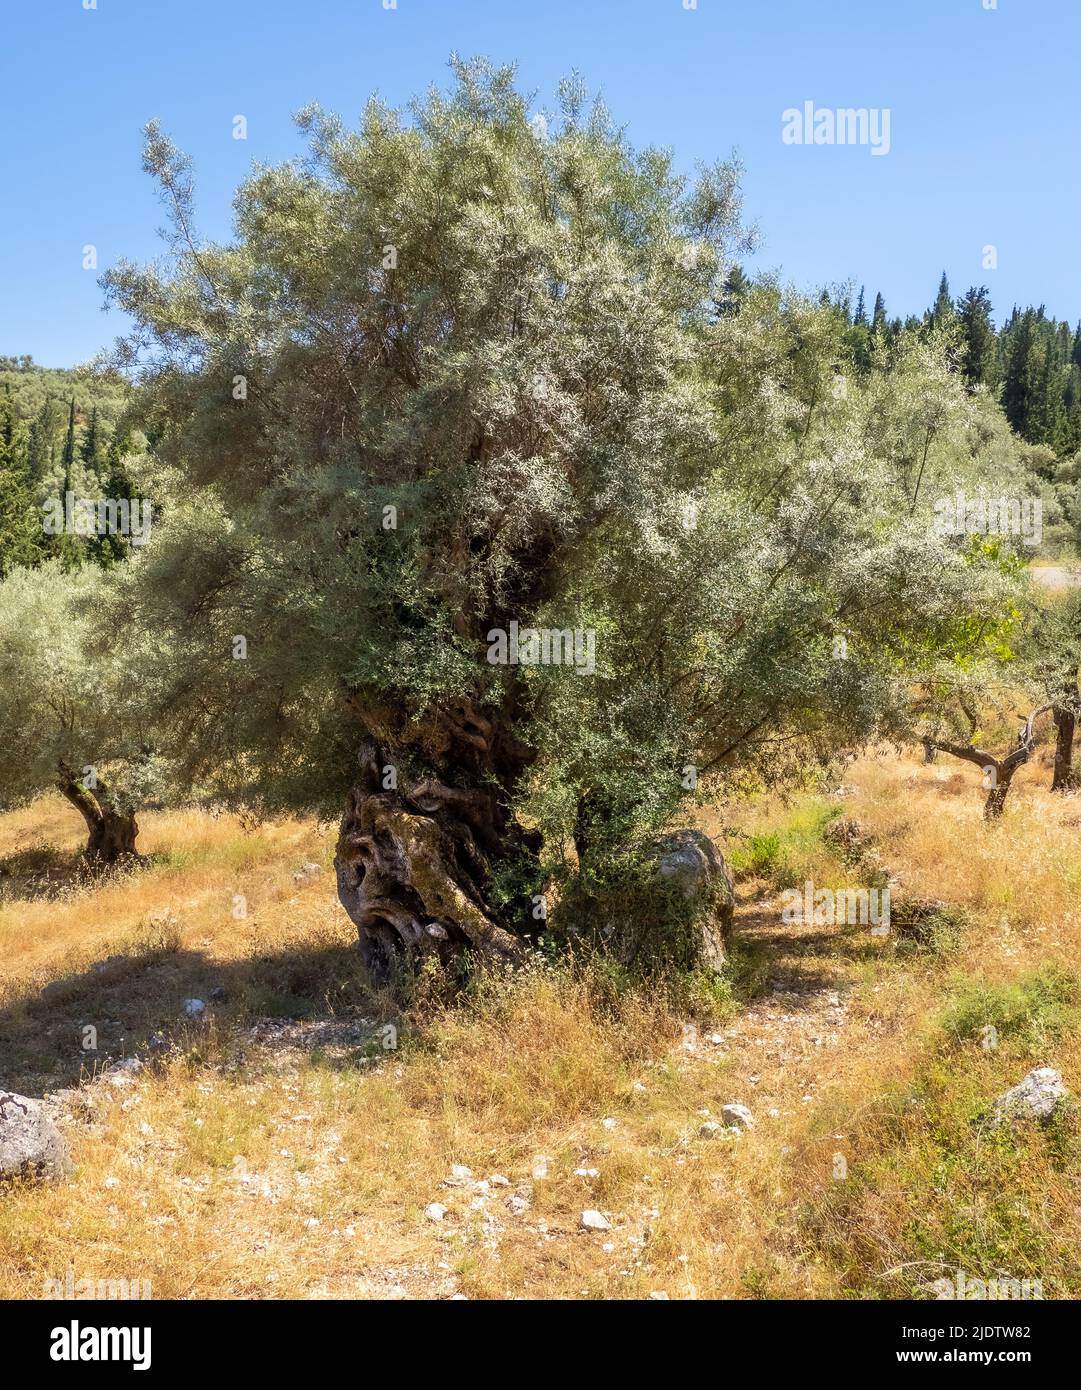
x=68, y=547
x=68, y=456
x=1022, y=372
x=107, y=549
x=943, y=306
x=41, y=446
x=979, y=347
x=21, y=537
x=92, y=452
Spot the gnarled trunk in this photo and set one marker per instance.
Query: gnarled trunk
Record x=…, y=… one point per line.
x=112, y=838
x=998, y=771
x=415, y=863
x=1065, y=723
x=111, y=830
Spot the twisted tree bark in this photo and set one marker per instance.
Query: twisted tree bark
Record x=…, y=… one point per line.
x=415, y=863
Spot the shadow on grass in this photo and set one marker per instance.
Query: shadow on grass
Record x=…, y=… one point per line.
x=135, y=1003
x=44, y=871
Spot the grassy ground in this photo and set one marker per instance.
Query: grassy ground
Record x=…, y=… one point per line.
x=289, y=1144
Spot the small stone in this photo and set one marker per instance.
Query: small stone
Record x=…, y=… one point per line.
x=498, y=1180
x=709, y=1130
x=194, y=1008
x=737, y=1116
x=659, y=1297
x=609, y=1123
x=516, y=1205
x=594, y=1221
x=587, y=1172
x=435, y=1211
x=540, y=1168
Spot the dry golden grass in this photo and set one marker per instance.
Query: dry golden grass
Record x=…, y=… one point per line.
x=297, y=1159
x=197, y=864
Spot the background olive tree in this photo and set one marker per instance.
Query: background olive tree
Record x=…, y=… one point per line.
x=70, y=714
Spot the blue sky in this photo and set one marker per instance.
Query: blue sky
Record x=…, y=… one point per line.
x=985, y=125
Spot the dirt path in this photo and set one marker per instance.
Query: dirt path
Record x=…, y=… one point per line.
x=1056, y=577
x=779, y=1046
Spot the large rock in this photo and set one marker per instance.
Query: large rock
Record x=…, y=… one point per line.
x=30, y=1143
x=690, y=861
x=1036, y=1097
x=669, y=907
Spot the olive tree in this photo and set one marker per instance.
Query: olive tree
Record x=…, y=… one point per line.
x=68, y=709
x=491, y=519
